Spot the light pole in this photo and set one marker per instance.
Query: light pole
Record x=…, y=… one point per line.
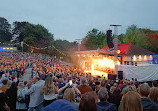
x=22, y=45
x=78, y=40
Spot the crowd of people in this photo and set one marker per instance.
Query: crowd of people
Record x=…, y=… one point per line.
x=56, y=86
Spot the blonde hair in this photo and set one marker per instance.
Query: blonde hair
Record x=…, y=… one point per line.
x=69, y=94
x=48, y=87
x=154, y=94
x=112, y=89
x=131, y=102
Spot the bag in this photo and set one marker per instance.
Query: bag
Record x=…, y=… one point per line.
x=20, y=99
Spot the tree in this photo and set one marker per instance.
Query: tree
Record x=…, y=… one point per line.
x=130, y=35
x=135, y=36
x=5, y=30
x=62, y=44
x=121, y=38
x=145, y=38
x=35, y=36
x=152, y=41
x=95, y=39
x=17, y=30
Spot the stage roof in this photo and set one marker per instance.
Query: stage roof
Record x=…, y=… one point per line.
x=130, y=49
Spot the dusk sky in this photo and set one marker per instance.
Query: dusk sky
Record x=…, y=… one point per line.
x=72, y=19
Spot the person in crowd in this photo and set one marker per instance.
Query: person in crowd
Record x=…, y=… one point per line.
x=103, y=105
x=36, y=99
x=68, y=85
x=112, y=89
x=1, y=84
x=116, y=97
x=97, y=84
x=61, y=83
x=50, y=91
x=120, y=84
x=92, y=84
x=69, y=95
x=11, y=71
x=126, y=84
x=4, y=87
x=155, y=83
x=127, y=89
x=132, y=79
x=147, y=103
x=87, y=103
x=74, y=82
x=97, y=81
x=154, y=94
x=3, y=102
x=136, y=83
x=132, y=87
x=27, y=97
x=12, y=94
x=83, y=87
x=115, y=85
x=21, y=104
x=103, y=83
x=60, y=105
x=131, y=102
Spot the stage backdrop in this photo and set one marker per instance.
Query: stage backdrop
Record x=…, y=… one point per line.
x=142, y=73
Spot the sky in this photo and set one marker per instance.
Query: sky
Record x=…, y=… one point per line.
x=72, y=19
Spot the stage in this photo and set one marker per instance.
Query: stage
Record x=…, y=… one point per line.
x=97, y=73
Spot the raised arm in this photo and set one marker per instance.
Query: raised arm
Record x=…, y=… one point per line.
x=76, y=90
x=61, y=89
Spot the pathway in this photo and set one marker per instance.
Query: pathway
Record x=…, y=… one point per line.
x=27, y=74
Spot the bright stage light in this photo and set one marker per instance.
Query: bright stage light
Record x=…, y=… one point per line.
x=101, y=62
x=107, y=63
x=118, y=51
x=92, y=67
x=100, y=66
x=118, y=63
x=4, y=48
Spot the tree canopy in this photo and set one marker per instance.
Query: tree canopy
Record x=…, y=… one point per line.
x=95, y=39
x=5, y=30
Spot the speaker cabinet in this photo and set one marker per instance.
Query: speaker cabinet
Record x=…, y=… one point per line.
x=109, y=38
x=120, y=75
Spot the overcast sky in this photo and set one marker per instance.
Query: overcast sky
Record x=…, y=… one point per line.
x=72, y=19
